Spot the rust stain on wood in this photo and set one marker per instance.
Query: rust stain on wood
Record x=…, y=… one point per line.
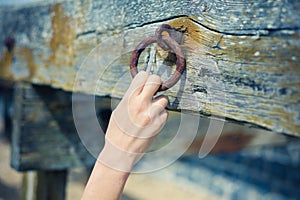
x=229, y=142
x=270, y=54
x=5, y=65
x=27, y=55
x=259, y=71
x=62, y=40
x=195, y=35
x=242, y=49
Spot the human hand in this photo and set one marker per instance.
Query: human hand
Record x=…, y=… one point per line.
x=135, y=123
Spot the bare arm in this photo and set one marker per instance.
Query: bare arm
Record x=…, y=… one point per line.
x=133, y=127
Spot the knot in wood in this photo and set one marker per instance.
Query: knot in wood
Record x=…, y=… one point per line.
x=10, y=43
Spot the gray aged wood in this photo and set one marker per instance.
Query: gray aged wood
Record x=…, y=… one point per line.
x=44, y=135
x=242, y=57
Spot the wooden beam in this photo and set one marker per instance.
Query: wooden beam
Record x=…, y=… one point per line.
x=44, y=134
x=242, y=61
x=45, y=137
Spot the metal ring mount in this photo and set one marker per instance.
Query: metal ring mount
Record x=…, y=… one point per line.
x=167, y=43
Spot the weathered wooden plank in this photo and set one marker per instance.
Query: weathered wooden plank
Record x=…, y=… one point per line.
x=233, y=17
x=44, y=134
x=45, y=137
x=244, y=51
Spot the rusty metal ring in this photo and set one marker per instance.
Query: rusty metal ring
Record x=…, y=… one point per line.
x=174, y=46
x=158, y=34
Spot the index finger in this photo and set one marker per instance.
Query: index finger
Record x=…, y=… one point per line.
x=138, y=83
x=151, y=86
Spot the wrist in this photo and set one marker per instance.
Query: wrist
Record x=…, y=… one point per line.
x=117, y=159
x=109, y=171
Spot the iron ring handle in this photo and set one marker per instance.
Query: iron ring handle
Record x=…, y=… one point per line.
x=174, y=46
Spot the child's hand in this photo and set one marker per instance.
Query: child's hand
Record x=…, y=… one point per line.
x=135, y=123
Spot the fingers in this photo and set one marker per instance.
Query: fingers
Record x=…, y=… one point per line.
x=138, y=83
x=164, y=116
x=145, y=84
x=159, y=117
x=151, y=86
x=158, y=108
x=161, y=100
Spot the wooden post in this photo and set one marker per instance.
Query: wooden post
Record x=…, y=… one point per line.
x=45, y=139
x=44, y=185
x=51, y=185
x=6, y=98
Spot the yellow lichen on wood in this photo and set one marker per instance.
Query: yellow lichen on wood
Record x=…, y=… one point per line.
x=26, y=54
x=5, y=65
x=195, y=35
x=62, y=40
x=247, y=49
x=275, y=54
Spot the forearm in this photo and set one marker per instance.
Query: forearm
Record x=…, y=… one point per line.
x=133, y=126
x=112, y=167
x=105, y=183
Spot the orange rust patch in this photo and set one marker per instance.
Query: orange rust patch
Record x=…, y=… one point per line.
x=5, y=65
x=275, y=52
x=195, y=34
x=27, y=55
x=62, y=41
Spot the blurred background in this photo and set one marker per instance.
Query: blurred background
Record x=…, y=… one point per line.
x=246, y=163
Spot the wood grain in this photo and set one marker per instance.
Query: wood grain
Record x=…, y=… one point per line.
x=48, y=136
x=44, y=135
x=242, y=57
